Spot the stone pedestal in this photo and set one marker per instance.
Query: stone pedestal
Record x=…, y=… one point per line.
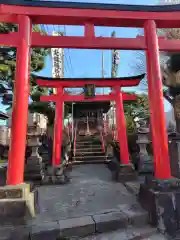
x=43, y=152
x=174, y=152
x=18, y=204
x=145, y=161
x=120, y=172
x=126, y=173
x=57, y=175
x=161, y=200
x=34, y=168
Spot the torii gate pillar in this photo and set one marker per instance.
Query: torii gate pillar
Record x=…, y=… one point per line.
x=15, y=173
x=159, y=134
x=58, y=129
x=126, y=170
x=121, y=128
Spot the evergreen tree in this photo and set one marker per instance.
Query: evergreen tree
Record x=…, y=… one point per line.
x=8, y=64
x=138, y=109
x=7, y=74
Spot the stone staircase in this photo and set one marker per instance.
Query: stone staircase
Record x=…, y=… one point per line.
x=88, y=149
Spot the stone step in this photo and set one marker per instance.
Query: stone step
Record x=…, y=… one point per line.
x=100, y=161
x=131, y=233
x=89, y=154
x=86, y=141
x=88, y=144
x=89, y=149
x=127, y=216
x=89, y=158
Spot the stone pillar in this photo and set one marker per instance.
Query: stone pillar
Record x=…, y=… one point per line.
x=34, y=168
x=145, y=161
x=174, y=152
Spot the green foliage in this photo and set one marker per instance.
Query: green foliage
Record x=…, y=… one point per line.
x=8, y=61
x=7, y=74
x=136, y=109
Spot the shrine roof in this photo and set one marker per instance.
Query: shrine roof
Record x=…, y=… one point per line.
x=3, y=116
x=137, y=77
x=100, y=6
x=79, y=106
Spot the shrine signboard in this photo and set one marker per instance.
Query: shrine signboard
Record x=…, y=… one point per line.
x=57, y=60
x=89, y=90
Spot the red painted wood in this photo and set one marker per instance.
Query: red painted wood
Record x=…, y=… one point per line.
x=67, y=16
x=10, y=39
x=80, y=83
x=58, y=129
x=79, y=98
x=102, y=43
x=87, y=42
x=89, y=30
x=15, y=173
x=138, y=43
x=121, y=128
x=6, y=18
x=160, y=140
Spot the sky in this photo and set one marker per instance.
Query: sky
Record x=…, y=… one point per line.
x=87, y=63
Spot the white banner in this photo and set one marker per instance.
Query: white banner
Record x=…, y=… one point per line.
x=57, y=60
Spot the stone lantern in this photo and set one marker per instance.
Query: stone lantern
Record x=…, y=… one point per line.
x=174, y=152
x=34, y=168
x=145, y=160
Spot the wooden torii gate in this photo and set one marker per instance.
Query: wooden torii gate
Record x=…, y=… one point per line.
x=117, y=95
x=25, y=13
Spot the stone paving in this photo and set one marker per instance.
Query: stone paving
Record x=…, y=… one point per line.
x=91, y=203
x=145, y=233
x=91, y=191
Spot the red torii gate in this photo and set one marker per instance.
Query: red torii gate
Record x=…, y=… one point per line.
x=26, y=13
x=116, y=96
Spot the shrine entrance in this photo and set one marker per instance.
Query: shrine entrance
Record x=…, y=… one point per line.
x=89, y=114
x=88, y=15
x=89, y=117
x=161, y=192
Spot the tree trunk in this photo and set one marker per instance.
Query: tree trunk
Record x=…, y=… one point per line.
x=176, y=105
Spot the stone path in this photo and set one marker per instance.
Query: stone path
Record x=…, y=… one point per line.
x=92, y=203
x=91, y=191
x=145, y=233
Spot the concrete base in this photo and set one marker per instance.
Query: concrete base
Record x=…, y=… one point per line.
x=18, y=203
x=161, y=200
x=122, y=173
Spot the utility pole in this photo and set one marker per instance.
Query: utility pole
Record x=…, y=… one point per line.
x=115, y=59
x=102, y=68
x=114, y=70
x=102, y=64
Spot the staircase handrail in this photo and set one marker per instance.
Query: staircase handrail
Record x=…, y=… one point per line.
x=102, y=140
x=75, y=135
